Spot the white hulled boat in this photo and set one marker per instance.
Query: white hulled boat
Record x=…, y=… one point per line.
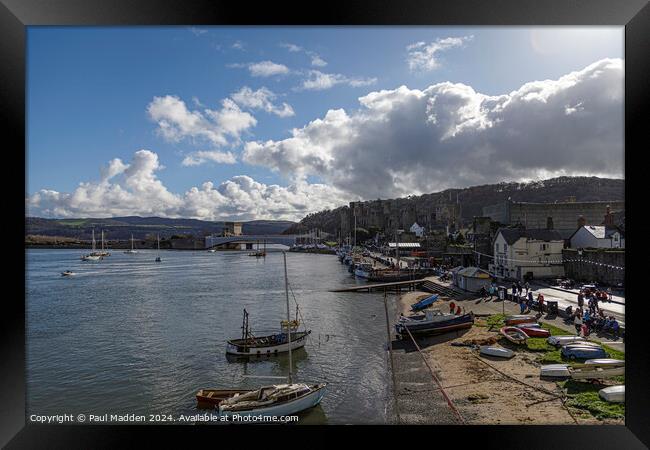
x=92, y=256
x=158, y=258
x=133, y=250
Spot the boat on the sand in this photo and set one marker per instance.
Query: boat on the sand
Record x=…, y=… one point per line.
x=433, y=322
x=425, y=302
x=613, y=394
x=559, y=341
x=519, y=318
x=535, y=332
x=500, y=352
x=514, y=335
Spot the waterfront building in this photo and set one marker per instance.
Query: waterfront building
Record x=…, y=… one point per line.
x=232, y=229
x=597, y=236
x=527, y=253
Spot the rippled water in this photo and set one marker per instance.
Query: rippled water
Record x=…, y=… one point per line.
x=129, y=335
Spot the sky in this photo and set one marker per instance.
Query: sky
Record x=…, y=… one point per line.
x=243, y=123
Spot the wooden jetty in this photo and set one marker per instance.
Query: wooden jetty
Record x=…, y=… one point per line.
x=426, y=284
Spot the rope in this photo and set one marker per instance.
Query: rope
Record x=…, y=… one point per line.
x=554, y=261
x=390, y=355
x=435, y=378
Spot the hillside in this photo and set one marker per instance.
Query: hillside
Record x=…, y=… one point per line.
x=141, y=227
x=473, y=199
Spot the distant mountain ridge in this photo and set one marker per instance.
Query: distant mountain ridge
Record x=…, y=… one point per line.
x=141, y=227
x=473, y=199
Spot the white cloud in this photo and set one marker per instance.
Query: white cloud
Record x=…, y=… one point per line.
x=267, y=69
x=292, y=47
x=424, y=57
x=134, y=189
x=239, y=45
x=203, y=156
x=261, y=99
x=317, y=81
x=198, y=31
x=176, y=122
x=317, y=61
x=408, y=141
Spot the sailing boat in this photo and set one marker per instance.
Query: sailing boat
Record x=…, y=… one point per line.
x=132, y=251
x=158, y=259
x=258, y=253
x=272, y=400
x=103, y=252
x=92, y=256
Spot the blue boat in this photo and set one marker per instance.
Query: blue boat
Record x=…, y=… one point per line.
x=424, y=303
x=583, y=351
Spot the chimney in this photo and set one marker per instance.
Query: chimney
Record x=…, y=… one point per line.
x=549, y=223
x=581, y=222
x=609, y=219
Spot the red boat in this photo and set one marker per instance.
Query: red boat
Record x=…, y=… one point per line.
x=517, y=319
x=535, y=332
x=514, y=335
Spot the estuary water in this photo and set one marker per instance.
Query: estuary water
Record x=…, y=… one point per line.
x=128, y=335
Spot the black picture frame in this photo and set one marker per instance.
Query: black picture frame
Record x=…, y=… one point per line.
x=15, y=15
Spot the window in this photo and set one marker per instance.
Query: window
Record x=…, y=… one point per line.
x=505, y=247
x=497, y=247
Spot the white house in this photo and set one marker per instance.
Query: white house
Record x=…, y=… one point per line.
x=471, y=278
x=597, y=236
x=520, y=253
x=417, y=229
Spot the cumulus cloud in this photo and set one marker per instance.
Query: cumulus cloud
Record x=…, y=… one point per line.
x=176, y=122
x=135, y=189
x=316, y=60
x=263, y=68
x=318, y=81
x=423, y=56
x=292, y=47
x=261, y=99
x=409, y=141
x=202, y=156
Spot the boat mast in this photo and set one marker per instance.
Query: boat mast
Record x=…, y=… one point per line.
x=93, y=240
x=131, y=242
x=102, y=240
x=286, y=291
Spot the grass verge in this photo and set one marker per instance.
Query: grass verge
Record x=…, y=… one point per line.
x=583, y=397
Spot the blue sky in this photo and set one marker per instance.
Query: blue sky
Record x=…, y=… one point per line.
x=89, y=90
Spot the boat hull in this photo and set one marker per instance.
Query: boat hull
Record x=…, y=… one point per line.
x=236, y=348
x=210, y=398
x=535, y=332
x=284, y=409
x=514, y=335
x=496, y=351
x=555, y=371
x=613, y=394
x=594, y=373
x=428, y=328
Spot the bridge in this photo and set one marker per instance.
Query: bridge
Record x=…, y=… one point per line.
x=284, y=239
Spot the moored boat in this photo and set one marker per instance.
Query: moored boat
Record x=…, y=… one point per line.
x=363, y=270
x=210, y=398
x=613, y=394
x=274, y=400
x=433, y=322
x=514, y=335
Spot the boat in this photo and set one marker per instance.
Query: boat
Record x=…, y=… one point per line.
x=212, y=250
x=363, y=270
x=102, y=252
x=250, y=345
x=535, y=332
x=210, y=398
x=604, y=362
x=514, y=335
x=555, y=371
x=67, y=273
x=559, y=341
x=583, y=352
x=92, y=256
x=528, y=325
x=425, y=302
x=132, y=251
x=518, y=319
x=500, y=352
x=259, y=253
x=591, y=372
x=613, y=394
x=158, y=258
x=433, y=322
x=274, y=400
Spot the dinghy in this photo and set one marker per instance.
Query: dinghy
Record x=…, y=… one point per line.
x=604, y=362
x=559, y=341
x=555, y=371
x=496, y=351
x=583, y=352
x=424, y=303
x=433, y=322
x=514, y=335
x=518, y=319
x=535, y=332
x=614, y=394
x=583, y=372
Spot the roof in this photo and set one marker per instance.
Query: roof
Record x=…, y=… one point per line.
x=601, y=231
x=512, y=235
x=474, y=272
x=404, y=245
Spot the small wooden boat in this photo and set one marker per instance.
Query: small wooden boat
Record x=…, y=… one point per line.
x=210, y=398
x=613, y=394
x=535, y=332
x=518, y=319
x=433, y=322
x=559, y=341
x=496, y=351
x=425, y=302
x=590, y=372
x=514, y=335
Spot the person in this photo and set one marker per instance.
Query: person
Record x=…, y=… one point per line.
x=527, y=286
x=577, y=321
x=584, y=330
x=514, y=290
x=530, y=297
x=614, y=326
x=452, y=306
x=491, y=291
x=522, y=305
x=609, y=294
x=458, y=310
x=581, y=300
x=483, y=292
x=540, y=300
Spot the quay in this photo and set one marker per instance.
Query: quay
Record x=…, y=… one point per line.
x=393, y=285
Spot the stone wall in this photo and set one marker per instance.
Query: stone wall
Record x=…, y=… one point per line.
x=593, y=264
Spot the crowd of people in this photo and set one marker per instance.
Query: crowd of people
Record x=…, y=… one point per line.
x=593, y=318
